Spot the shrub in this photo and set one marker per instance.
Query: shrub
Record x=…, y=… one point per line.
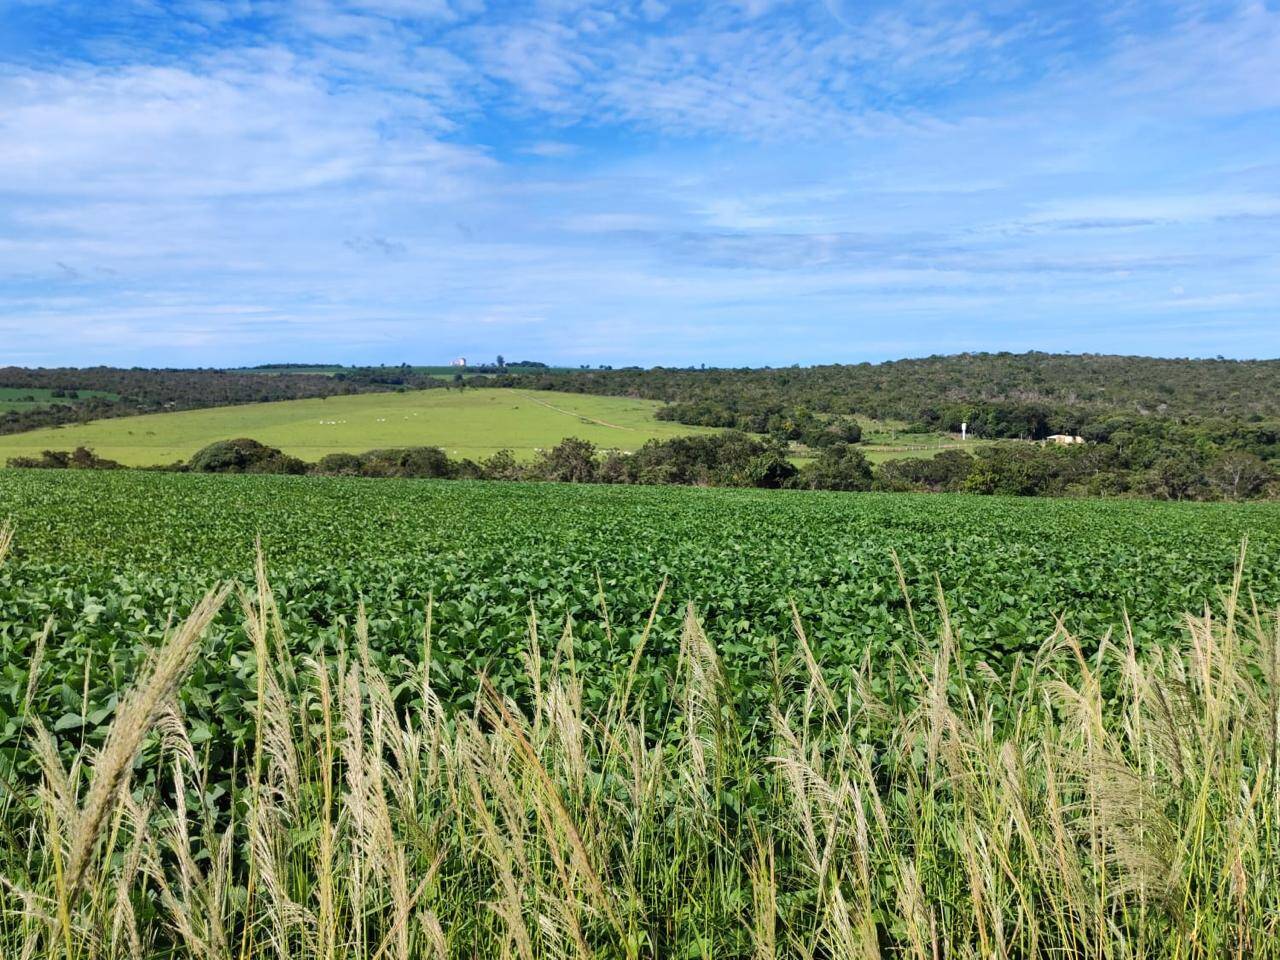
x=467, y=469
x=81, y=458
x=570, y=461
x=241, y=455
x=839, y=467
x=501, y=466
x=944, y=473
x=283, y=463
x=770, y=470
x=419, y=462
x=339, y=465
x=1023, y=471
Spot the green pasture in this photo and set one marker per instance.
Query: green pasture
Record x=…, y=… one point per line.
x=465, y=423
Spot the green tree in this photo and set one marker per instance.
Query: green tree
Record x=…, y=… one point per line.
x=419, y=462
x=570, y=461
x=339, y=465
x=243, y=455
x=501, y=466
x=1012, y=470
x=1176, y=476
x=770, y=470
x=837, y=467
x=1239, y=475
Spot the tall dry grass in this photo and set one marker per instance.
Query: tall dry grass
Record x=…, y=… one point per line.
x=1083, y=804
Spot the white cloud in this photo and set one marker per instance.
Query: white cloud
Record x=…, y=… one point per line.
x=552, y=149
x=232, y=128
x=373, y=176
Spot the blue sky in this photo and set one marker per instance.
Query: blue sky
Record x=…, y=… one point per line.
x=642, y=181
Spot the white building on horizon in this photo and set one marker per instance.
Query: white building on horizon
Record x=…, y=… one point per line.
x=459, y=362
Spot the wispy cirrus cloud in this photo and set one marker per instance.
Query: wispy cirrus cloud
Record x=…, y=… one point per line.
x=189, y=181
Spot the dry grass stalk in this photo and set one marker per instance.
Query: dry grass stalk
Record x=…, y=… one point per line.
x=1124, y=804
x=134, y=719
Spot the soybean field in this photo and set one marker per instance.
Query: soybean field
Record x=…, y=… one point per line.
x=111, y=557
x=466, y=719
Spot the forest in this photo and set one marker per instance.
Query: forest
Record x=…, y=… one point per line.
x=1028, y=395
x=1164, y=428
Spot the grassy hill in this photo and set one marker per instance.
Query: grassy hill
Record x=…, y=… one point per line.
x=470, y=423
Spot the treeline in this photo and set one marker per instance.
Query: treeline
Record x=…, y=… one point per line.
x=139, y=390
x=728, y=459
x=1031, y=470
x=797, y=425
x=421, y=378
x=734, y=459
x=1001, y=395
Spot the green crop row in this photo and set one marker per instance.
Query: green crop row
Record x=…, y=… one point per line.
x=107, y=559
x=470, y=720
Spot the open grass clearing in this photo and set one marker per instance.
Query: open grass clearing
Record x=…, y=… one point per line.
x=473, y=423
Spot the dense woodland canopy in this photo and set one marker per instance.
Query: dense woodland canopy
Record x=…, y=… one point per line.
x=1026, y=395
x=1170, y=428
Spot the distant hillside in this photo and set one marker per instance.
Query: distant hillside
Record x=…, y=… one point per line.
x=464, y=423
x=1175, y=429
x=34, y=398
x=78, y=395
x=1000, y=394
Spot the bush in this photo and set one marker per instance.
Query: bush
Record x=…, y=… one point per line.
x=501, y=466
x=418, y=462
x=570, y=461
x=1178, y=475
x=339, y=465
x=839, y=467
x=944, y=473
x=841, y=431
x=81, y=458
x=1022, y=471
x=724, y=459
x=281, y=464
x=770, y=471
x=243, y=455
x=616, y=468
